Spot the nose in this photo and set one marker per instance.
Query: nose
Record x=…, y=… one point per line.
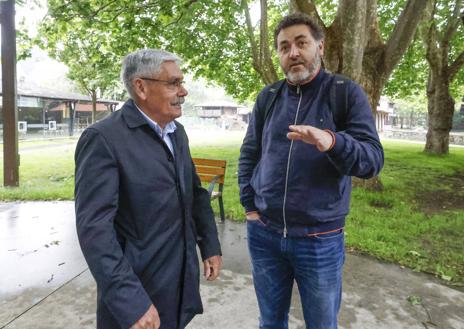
x=294, y=51
x=182, y=91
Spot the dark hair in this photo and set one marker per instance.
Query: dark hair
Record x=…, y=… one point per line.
x=299, y=19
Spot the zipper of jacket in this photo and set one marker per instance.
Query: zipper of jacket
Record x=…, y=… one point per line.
x=288, y=162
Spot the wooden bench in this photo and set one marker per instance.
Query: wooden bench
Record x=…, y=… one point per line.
x=213, y=172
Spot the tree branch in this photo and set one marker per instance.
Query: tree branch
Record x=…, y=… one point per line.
x=309, y=8
x=251, y=37
x=453, y=23
x=267, y=65
x=352, y=15
x=455, y=66
x=185, y=6
x=177, y=20
x=429, y=36
x=102, y=8
x=374, y=38
x=403, y=32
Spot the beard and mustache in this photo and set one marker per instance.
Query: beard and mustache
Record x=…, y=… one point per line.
x=309, y=70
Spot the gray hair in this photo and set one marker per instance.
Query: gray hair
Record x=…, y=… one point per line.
x=144, y=63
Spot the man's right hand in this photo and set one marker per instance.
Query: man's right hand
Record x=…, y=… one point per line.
x=252, y=215
x=150, y=320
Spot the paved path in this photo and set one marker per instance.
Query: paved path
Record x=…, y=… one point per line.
x=45, y=283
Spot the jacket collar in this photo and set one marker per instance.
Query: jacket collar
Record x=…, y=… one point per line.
x=132, y=116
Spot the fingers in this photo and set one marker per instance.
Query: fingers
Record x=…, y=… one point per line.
x=212, y=267
x=206, y=269
x=216, y=268
x=299, y=128
x=157, y=320
x=150, y=320
x=252, y=215
x=311, y=135
x=303, y=133
x=294, y=136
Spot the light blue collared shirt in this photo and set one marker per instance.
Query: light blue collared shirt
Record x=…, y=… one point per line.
x=163, y=133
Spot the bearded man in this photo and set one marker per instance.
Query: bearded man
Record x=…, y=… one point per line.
x=295, y=170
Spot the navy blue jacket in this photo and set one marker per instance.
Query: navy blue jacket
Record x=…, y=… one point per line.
x=139, y=215
x=319, y=184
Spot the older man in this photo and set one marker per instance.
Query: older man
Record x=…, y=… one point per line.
x=140, y=208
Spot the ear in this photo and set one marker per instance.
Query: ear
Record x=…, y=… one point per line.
x=321, y=47
x=140, y=88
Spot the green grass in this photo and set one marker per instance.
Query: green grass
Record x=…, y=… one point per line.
x=416, y=221
x=390, y=225
x=395, y=225
x=45, y=174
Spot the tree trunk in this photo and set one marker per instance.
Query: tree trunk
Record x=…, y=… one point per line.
x=354, y=45
x=440, y=111
x=441, y=73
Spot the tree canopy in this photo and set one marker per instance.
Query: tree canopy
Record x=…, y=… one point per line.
x=218, y=40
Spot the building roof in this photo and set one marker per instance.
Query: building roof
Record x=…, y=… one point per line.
x=80, y=107
x=33, y=90
x=385, y=105
x=219, y=103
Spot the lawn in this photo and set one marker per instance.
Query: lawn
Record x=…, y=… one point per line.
x=416, y=221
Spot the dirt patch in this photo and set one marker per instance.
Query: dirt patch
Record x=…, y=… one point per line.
x=450, y=197
x=381, y=204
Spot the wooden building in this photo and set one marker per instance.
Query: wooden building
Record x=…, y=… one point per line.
x=42, y=109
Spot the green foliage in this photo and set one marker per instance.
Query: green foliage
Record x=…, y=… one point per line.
x=410, y=76
x=441, y=21
x=210, y=35
x=23, y=42
x=388, y=14
x=411, y=104
x=327, y=10
x=85, y=49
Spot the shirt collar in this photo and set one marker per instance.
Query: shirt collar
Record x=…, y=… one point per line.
x=169, y=128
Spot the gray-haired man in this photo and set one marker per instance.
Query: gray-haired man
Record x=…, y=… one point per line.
x=140, y=207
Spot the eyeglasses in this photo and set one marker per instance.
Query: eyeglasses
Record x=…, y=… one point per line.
x=172, y=84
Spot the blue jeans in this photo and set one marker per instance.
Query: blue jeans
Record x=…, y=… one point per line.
x=315, y=263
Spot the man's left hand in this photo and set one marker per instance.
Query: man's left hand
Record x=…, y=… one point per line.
x=212, y=267
x=311, y=135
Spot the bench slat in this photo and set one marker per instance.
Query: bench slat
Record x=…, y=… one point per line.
x=209, y=178
x=210, y=170
x=209, y=162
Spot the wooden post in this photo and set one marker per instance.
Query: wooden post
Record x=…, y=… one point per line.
x=72, y=111
x=10, y=113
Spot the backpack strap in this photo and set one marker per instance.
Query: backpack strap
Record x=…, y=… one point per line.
x=338, y=100
x=268, y=98
x=271, y=96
